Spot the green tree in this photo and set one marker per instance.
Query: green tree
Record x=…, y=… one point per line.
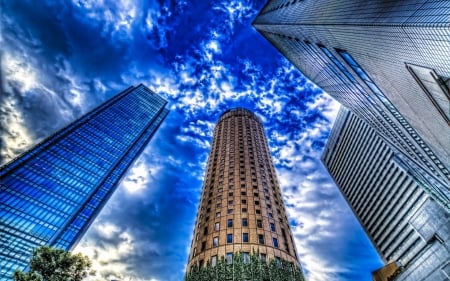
x=50, y=264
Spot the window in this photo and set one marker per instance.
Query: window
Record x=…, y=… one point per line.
x=203, y=245
x=272, y=226
x=230, y=193
x=217, y=226
x=243, y=193
x=261, y=238
x=230, y=223
x=215, y=241
x=259, y=223
x=244, y=222
x=436, y=88
x=246, y=257
x=275, y=242
x=229, y=258
x=244, y=210
x=217, y=214
x=270, y=215
x=256, y=202
x=205, y=231
x=230, y=211
x=243, y=201
x=213, y=261
x=258, y=211
x=229, y=238
x=245, y=237
x=230, y=202
x=263, y=258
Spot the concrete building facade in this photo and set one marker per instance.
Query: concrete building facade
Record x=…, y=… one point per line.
x=241, y=207
x=386, y=61
x=405, y=224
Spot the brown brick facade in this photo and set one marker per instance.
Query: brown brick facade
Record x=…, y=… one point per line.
x=241, y=188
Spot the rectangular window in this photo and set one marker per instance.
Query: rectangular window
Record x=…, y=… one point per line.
x=272, y=226
x=203, y=245
x=259, y=223
x=213, y=261
x=230, y=223
x=244, y=222
x=230, y=211
x=435, y=87
x=245, y=237
x=263, y=258
x=261, y=238
x=275, y=242
x=244, y=210
x=229, y=258
x=217, y=214
x=246, y=257
x=229, y=238
x=217, y=226
x=215, y=241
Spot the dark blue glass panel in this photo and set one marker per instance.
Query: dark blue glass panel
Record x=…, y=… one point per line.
x=51, y=194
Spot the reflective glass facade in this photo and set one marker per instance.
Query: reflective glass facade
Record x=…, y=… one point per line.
x=386, y=61
x=50, y=194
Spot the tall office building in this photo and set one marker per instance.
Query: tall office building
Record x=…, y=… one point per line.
x=241, y=208
x=386, y=61
x=50, y=194
x=410, y=231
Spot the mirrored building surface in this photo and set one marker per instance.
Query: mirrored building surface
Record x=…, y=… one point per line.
x=50, y=194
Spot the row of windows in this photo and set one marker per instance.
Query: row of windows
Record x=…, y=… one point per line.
x=229, y=240
x=245, y=258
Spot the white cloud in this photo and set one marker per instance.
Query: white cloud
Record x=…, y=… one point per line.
x=17, y=69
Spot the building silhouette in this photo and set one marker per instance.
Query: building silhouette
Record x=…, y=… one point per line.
x=241, y=212
x=50, y=194
x=386, y=61
x=410, y=231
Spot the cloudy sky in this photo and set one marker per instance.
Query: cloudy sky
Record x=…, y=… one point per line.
x=61, y=58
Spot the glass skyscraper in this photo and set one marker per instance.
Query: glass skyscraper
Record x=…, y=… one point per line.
x=386, y=61
x=50, y=194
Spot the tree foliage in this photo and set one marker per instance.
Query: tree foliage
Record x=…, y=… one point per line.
x=50, y=264
x=239, y=270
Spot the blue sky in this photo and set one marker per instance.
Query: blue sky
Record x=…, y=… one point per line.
x=60, y=58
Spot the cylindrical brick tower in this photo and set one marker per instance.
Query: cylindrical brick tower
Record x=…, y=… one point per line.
x=241, y=208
